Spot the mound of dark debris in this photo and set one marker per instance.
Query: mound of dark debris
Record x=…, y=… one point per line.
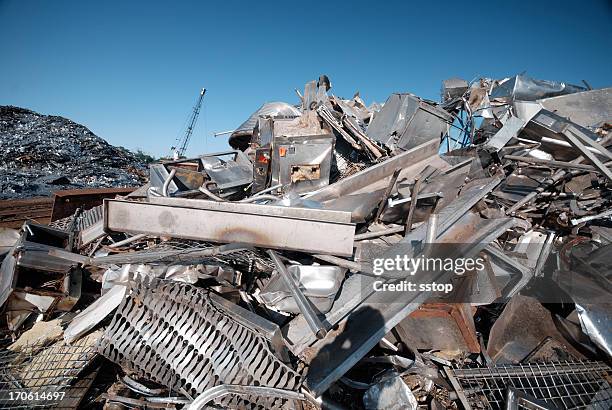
x=44, y=153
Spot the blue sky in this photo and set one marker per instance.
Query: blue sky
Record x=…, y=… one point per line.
x=131, y=70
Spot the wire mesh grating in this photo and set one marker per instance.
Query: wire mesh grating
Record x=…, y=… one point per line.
x=565, y=385
x=37, y=377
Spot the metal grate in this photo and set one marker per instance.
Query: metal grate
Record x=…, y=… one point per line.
x=189, y=339
x=566, y=385
x=90, y=217
x=83, y=221
x=37, y=377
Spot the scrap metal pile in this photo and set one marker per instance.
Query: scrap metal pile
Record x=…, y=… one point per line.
x=271, y=276
x=44, y=153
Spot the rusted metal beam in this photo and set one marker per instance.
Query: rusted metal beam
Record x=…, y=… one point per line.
x=66, y=202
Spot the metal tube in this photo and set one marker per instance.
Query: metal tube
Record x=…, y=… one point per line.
x=167, y=182
x=592, y=217
x=272, y=188
x=343, y=263
x=309, y=314
x=382, y=232
x=552, y=163
x=255, y=198
x=560, y=143
x=223, y=390
x=128, y=240
x=216, y=134
x=210, y=194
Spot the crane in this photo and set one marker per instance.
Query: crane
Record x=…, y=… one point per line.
x=182, y=142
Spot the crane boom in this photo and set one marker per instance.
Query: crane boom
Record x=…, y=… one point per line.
x=183, y=142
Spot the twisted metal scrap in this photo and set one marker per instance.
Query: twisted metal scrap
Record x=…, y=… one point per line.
x=176, y=335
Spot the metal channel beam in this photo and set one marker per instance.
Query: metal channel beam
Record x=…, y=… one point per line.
x=257, y=209
x=225, y=225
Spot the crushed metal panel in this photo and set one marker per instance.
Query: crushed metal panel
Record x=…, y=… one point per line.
x=524, y=88
x=406, y=121
x=34, y=247
x=228, y=170
x=7, y=276
x=587, y=108
x=521, y=327
x=187, y=338
x=32, y=252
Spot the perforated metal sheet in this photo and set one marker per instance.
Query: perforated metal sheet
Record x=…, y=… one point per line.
x=180, y=336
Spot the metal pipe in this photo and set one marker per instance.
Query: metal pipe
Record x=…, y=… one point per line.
x=167, y=182
x=128, y=240
x=140, y=388
x=592, y=217
x=210, y=194
x=216, y=134
x=343, y=263
x=223, y=390
x=552, y=163
x=382, y=232
x=255, y=198
x=304, y=304
x=272, y=188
